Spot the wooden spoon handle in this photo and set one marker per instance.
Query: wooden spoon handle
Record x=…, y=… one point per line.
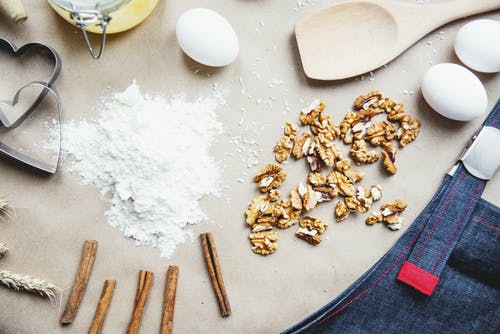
x=453, y=10
x=14, y=9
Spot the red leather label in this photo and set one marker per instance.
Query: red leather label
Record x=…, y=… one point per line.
x=418, y=278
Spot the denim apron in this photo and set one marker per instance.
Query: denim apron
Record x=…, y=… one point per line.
x=441, y=276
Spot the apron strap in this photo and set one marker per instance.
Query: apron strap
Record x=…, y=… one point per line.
x=447, y=221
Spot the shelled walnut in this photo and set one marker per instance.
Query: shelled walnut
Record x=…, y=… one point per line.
x=389, y=158
x=354, y=175
x=360, y=129
x=341, y=211
x=380, y=133
x=259, y=206
x=291, y=130
x=345, y=127
x=304, y=197
x=326, y=127
x=264, y=241
x=311, y=229
x=389, y=214
x=270, y=177
x=360, y=154
x=314, y=162
x=346, y=188
x=310, y=113
x=304, y=145
x=366, y=101
x=274, y=195
x=286, y=214
x=408, y=132
x=321, y=184
x=283, y=149
x=327, y=150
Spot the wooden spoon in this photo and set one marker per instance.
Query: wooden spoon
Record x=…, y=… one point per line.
x=14, y=9
x=355, y=37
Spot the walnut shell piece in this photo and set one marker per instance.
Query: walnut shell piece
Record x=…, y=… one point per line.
x=269, y=177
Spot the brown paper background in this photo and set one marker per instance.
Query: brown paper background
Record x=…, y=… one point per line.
x=267, y=294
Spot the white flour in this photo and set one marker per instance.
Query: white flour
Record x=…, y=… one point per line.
x=153, y=157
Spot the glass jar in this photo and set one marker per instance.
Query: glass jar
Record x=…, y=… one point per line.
x=103, y=16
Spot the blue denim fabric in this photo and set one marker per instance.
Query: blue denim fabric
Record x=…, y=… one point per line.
x=456, y=239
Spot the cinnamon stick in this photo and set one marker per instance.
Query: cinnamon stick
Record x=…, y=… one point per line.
x=214, y=270
x=102, y=307
x=167, y=319
x=141, y=296
x=80, y=282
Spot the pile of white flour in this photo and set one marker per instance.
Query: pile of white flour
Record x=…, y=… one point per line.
x=152, y=156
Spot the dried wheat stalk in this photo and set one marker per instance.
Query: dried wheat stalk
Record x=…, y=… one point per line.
x=3, y=250
x=27, y=283
x=5, y=208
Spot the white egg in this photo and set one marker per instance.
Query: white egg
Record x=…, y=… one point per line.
x=454, y=92
x=207, y=37
x=477, y=45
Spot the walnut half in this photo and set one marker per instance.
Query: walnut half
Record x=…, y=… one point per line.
x=264, y=241
x=311, y=229
x=270, y=177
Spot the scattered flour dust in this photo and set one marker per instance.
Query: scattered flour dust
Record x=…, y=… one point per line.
x=152, y=156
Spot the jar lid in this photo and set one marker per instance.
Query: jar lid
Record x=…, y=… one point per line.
x=103, y=6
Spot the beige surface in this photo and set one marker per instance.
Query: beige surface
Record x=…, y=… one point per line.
x=56, y=213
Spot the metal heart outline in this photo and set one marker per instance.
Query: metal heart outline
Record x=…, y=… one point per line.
x=15, y=154
x=16, y=52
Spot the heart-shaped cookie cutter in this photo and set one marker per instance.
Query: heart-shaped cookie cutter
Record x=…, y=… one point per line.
x=16, y=52
x=46, y=89
x=15, y=154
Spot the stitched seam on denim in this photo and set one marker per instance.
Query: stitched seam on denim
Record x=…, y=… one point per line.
x=494, y=122
x=364, y=292
x=484, y=222
x=473, y=198
x=448, y=200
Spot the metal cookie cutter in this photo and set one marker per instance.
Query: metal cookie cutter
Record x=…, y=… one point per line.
x=16, y=154
x=35, y=48
x=46, y=89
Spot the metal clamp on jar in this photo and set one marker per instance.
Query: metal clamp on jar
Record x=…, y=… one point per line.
x=103, y=16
